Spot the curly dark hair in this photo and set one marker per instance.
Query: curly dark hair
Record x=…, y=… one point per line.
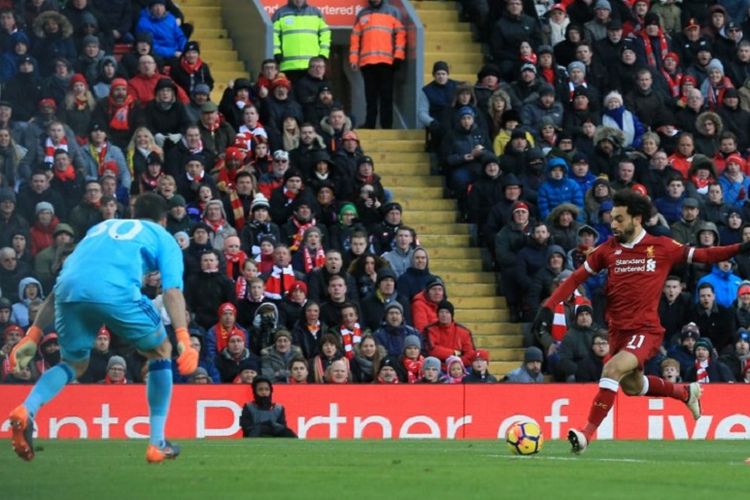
x=635, y=203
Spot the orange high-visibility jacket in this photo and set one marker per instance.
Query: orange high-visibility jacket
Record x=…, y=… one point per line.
x=378, y=36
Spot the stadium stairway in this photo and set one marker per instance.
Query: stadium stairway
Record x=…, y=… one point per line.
x=217, y=49
x=447, y=39
x=405, y=169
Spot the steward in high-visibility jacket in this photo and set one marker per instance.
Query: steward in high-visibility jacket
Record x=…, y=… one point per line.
x=378, y=36
x=299, y=33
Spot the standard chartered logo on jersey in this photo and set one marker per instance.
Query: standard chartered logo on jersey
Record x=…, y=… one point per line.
x=636, y=265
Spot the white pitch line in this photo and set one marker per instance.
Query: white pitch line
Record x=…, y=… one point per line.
x=571, y=459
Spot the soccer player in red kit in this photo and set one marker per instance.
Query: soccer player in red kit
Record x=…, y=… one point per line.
x=637, y=264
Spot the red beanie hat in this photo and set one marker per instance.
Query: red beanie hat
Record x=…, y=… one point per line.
x=119, y=82
x=735, y=158
x=234, y=153
x=78, y=78
x=227, y=306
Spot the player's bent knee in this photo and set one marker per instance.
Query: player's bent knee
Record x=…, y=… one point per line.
x=79, y=367
x=163, y=351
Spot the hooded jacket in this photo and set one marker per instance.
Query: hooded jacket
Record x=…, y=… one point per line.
x=725, y=283
x=553, y=192
x=413, y=280
x=20, y=310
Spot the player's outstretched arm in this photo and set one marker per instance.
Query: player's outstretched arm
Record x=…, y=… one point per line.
x=544, y=316
x=174, y=302
x=711, y=255
x=26, y=349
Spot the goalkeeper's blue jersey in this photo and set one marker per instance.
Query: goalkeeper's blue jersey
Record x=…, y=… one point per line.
x=108, y=265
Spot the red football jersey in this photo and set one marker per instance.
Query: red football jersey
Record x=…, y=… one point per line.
x=636, y=275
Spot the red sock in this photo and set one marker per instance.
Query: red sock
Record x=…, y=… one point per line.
x=659, y=387
x=600, y=406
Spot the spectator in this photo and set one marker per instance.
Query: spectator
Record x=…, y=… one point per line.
x=367, y=356
x=558, y=188
x=277, y=357
x=217, y=336
x=377, y=47
x=374, y=306
x=393, y=332
x=99, y=359
x=52, y=39
x=725, y=283
x=590, y=368
x=143, y=84
x=191, y=70
x=44, y=225
x=116, y=370
x=29, y=289
x=330, y=353
x=686, y=229
x=11, y=219
x=168, y=39
x=543, y=279
x=300, y=32
x=446, y=337
x=479, y=373
x=45, y=261
x=674, y=307
x=235, y=358
x=714, y=321
x=576, y=345
x=530, y=370
x=707, y=368
x=424, y=304
x=464, y=151
x=262, y=417
x=208, y=289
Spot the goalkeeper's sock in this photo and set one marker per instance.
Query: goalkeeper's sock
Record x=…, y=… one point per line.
x=159, y=390
x=48, y=386
x=601, y=405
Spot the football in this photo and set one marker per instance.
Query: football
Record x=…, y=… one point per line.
x=524, y=438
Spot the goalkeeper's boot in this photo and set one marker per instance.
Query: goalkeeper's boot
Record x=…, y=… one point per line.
x=578, y=441
x=156, y=454
x=22, y=429
x=695, y=391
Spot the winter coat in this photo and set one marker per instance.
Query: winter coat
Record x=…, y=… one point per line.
x=725, y=283
x=423, y=311
x=372, y=309
x=461, y=142
x=168, y=37
x=483, y=195
x=508, y=242
x=167, y=120
x=20, y=310
x=399, y=260
x=275, y=364
x=413, y=280
x=48, y=47
x=444, y=340
x=574, y=348
x=522, y=376
x=229, y=367
x=392, y=338
x=205, y=293
x=554, y=192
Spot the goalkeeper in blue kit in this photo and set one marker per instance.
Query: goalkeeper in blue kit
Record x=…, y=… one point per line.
x=100, y=284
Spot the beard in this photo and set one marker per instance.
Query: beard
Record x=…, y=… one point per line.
x=626, y=234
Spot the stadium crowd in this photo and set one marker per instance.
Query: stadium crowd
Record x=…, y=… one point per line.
x=298, y=265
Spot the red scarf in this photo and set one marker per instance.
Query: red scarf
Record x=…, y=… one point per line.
x=298, y=236
x=673, y=82
x=223, y=335
x=234, y=263
x=149, y=183
x=279, y=282
x=350, y=338
x=50, y=148
x=549, y=75
x=716, y=94
x=121, y=113
x=531, y=59
x=214, y=125
x=381, y=380
x=196, y=178
x=292, y=381
x=69, y=174
x=663, y=48
x=190, y=69
x=320, y=259
x=572, y=89
x=109, y=381
x=81, y=103
x=264, y=263
x=216, y=226
x=701, y=185
x=559, y=322
x=701, y=375
x=289, y=196
x=99, y=155
x=413, y=368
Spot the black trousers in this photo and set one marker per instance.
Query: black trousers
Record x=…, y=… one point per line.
x=379, y=94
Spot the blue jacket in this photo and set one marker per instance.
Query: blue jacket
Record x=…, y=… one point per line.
x=725, y=283
x=392, y=338
x=554, y=192
x=670, y=208
x=168, y=37
x=735, y=193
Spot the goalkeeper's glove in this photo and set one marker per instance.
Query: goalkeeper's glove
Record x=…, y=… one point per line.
x=187, y=359
x=25, y=350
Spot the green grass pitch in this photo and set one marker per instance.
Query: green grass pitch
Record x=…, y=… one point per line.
x=261, y=469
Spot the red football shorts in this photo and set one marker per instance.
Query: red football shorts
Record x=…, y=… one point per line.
x=643, y=346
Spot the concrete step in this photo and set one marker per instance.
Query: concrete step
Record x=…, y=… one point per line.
x=474, y=302
x=431, y=241
x=459, y=67
x=433, y=217
x=405, y=193
x=495, y=341
x=502, y=368
x=452, y=56
x=437, y=204
x=226, y=65
x=394, y=181
x=438, y=16
x=403, y=168
x=449, y=36
x=489, y=315
x=219, y=55
x=422, y=6
x=224, y=76
x=202, y=12
x=470, y=78
x=455, y=264
x=407, y=157
x=396, y=134
x=504, y=354
x=445, y=228
x=216, y=43
x=415, y=145
x=474, y=290
x=460, y=46
x=476, y=276
x=200, y=3
x=479, y=328
x=440, y=252
x=208, y=34
x=446, y=27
